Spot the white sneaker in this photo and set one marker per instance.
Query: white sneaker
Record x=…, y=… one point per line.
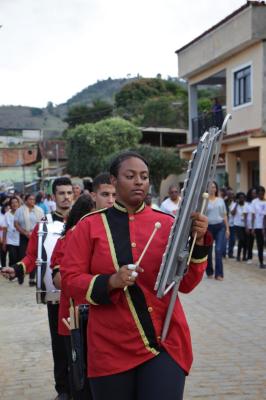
x=249, y=261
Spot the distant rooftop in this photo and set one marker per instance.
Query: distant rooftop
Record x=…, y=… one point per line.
x=230, y=16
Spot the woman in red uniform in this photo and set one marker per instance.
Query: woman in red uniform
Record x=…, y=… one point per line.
x=126, y=358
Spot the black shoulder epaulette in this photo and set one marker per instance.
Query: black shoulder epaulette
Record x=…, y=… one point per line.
x=93, y=212
x=162, y=212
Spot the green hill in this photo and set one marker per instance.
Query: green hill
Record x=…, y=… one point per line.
x=51, y=118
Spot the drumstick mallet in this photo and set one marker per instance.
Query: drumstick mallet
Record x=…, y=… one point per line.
x=133, y=267
x=205, y=197
x=72, y=314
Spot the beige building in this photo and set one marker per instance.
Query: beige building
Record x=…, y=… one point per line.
x=232, y=57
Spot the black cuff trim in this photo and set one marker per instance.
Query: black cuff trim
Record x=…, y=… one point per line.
x=19, y=271
x=100, y=294
x=200, y=252
x=54, y=272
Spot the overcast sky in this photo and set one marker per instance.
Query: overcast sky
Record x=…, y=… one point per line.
x=52, y=49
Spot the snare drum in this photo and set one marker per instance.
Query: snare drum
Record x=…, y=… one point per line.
x=48, y=234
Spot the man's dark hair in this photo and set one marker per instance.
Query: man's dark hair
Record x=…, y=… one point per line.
x=260, y=189
x=100, y=179
x=115, y=165
x=62, y=181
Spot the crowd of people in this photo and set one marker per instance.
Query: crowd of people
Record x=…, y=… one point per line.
x=95, y=261
x=236, y=221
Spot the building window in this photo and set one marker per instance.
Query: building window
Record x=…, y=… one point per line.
x=242, y=86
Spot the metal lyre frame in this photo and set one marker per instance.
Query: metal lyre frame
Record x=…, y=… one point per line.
x=200, y=174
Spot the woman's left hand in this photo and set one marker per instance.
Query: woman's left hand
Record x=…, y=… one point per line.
x=199, y=227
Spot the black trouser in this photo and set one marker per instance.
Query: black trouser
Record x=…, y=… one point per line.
x=2, y=256
x=160, y=378
x=23, y=243
x=13, y=254
x=260, y=243
x=61, y=375
x=242, y=241
x=85, y=393
x=250, y=242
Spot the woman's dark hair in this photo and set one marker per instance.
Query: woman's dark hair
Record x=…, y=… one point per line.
x=216, y=188
x=13, y=198
x=260, y=189
x=27, y=196
x=116, y=163
x=82, y=206
x=249, y=194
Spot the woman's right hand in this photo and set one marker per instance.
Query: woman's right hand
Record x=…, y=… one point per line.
x=123, y=278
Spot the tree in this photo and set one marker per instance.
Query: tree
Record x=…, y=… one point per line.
x=164, y=111
x=140, y=97
x=89, y=145
x=50, y=107
x=77, y=115
x=81, y=114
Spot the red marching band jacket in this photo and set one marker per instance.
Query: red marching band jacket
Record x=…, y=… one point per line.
x=124, y=327
x=55, y=265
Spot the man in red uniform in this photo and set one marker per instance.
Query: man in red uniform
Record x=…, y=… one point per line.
x=63, y=195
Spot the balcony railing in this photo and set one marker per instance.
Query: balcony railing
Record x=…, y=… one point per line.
x=204, y=122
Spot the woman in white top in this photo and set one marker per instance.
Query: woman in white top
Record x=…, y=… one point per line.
x=11, y=235
x=251, y=195
x=26, y=217
x=258, y=217
x=239, y=223
x=2, y=223
x=219, y=228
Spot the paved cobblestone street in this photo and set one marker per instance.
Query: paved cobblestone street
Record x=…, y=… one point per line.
x=228, y=327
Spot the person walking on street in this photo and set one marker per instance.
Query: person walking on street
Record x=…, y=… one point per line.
x=26, y=218
x=258, y=215
x=219, y=228
x=239, y=222
x=171, y=204
x=251, y=195
x=11, y=235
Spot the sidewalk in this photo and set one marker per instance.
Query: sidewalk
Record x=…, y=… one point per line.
x=228, y=328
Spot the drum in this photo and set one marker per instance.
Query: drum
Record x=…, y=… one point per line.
x=48, y=234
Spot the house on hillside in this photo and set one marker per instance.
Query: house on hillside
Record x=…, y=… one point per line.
x=231, y=56
x=18, y=165
x=163, y=137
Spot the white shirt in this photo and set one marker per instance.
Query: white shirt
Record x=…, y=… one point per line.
x=259, y=210
x=2, y=221
x=231, y=217
x=51, y=205
x=248, y=211
x=12, y=235
x=170, y=207
x=239, y=219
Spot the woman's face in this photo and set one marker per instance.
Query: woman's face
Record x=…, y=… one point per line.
x=14, y=204
x=30, y=202
x=132, y=182
x=213, y=189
